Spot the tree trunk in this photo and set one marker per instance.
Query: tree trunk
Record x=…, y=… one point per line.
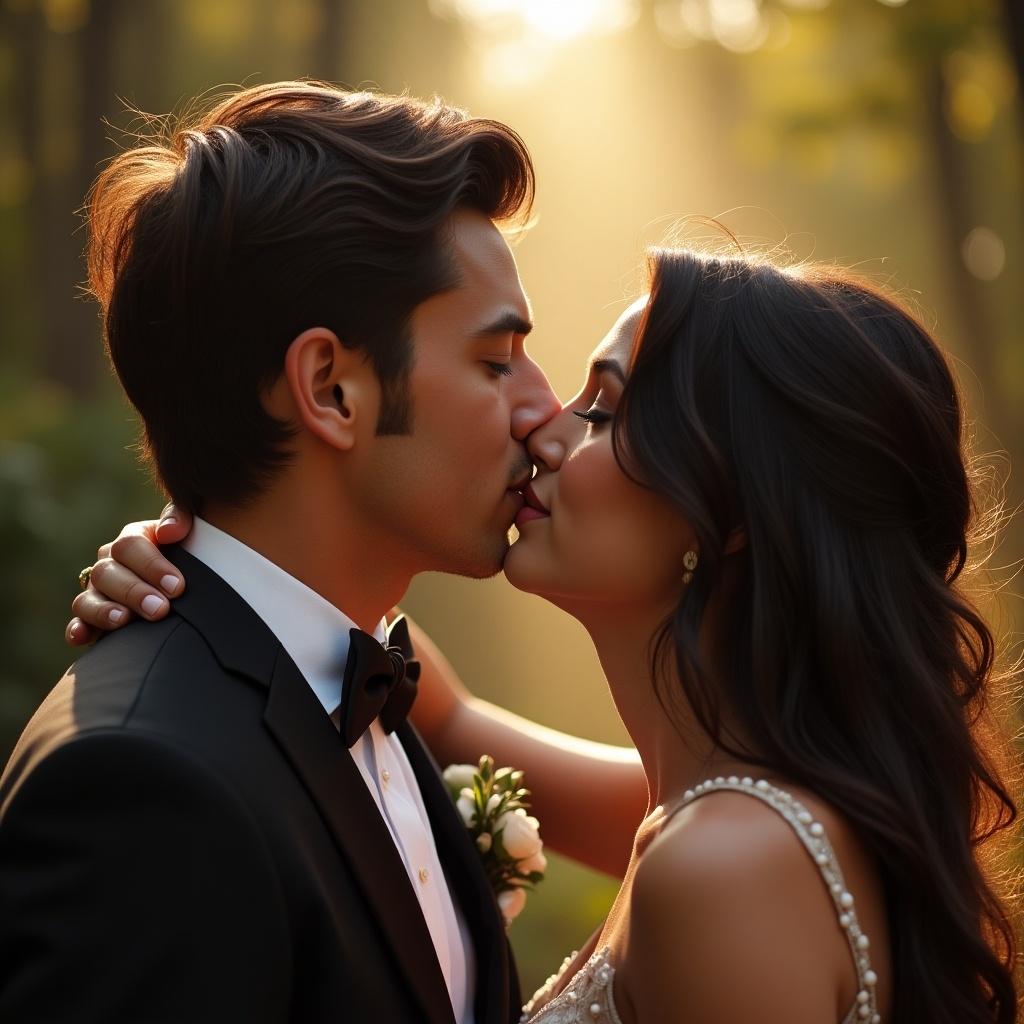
x=22, y=292
x=71, y=340
x=956, y=220
x=1013, y=18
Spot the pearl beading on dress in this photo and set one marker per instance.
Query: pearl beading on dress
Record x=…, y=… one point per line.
x=587, y=999
x=812, y=835
x=593, y=982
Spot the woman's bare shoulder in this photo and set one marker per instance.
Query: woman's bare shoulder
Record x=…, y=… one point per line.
x=727, y=841
x=729, y=917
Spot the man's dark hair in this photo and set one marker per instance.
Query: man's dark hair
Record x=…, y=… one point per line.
x=283, y=207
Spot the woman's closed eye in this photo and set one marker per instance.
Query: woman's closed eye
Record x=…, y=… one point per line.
x=594, y=415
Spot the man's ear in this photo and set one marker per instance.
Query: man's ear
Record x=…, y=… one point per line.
x=332, y=388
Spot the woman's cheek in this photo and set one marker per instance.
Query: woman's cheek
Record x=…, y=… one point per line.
x=590, y=474
x=596, y=510
x=617, y=530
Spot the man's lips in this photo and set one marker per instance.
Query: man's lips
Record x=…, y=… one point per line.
x=523, y=482
x=516, y=488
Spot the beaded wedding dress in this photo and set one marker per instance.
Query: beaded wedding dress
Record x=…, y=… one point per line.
x=588, y=999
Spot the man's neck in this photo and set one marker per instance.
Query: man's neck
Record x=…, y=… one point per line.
x=319, y=550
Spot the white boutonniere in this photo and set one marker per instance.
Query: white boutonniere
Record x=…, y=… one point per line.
x=494, y=808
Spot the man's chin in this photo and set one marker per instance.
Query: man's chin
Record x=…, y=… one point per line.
x=482, y=565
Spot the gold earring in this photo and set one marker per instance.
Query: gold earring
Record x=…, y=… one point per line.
x=690, y=563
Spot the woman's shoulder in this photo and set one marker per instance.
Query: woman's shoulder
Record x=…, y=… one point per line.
x=729, y=880
x=737, y=835
x=724, y=846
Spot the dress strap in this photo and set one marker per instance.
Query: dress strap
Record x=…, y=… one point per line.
x=812, y=835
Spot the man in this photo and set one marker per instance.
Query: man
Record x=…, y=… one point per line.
x=308, y=301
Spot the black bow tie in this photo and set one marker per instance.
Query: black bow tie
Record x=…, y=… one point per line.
x=380, y=681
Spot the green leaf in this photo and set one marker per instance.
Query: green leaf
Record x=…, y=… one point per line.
x=498, y=848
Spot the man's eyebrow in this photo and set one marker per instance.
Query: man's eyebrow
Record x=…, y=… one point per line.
x=508, y=322
x=600, y=366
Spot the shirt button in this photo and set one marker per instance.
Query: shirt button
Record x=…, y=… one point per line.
x=385, y=776
x=424, y=875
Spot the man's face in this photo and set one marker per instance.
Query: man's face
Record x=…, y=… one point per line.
x=445, y=495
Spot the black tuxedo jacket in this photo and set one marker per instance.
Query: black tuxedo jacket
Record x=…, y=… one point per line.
x=184, y=837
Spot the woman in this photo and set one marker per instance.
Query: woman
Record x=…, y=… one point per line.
x=758, y=505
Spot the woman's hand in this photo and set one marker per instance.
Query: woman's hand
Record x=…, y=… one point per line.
x=130, y=578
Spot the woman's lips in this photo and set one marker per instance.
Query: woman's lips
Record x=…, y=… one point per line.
x=528, y=514
x=532, y=509
x=531, y=499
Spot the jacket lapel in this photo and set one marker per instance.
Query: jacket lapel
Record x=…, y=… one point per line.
x=243, y=643
x=497, y=985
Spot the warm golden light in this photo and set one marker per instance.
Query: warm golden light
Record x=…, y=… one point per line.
x=984, y=254
x=562, y=21
x=516, y=40
x=737, y=25
x=807, y=5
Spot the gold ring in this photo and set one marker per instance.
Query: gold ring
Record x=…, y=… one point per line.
x=83, y=576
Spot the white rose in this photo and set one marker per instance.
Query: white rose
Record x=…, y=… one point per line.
x=466, y=806
x=512, y=902
x=492, y=803
x=458, y=776
x=538, y=862
x=519, y=834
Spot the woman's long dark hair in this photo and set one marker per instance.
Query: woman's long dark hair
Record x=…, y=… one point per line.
x=811, y=411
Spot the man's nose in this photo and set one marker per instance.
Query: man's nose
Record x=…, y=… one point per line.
x=535, y=402
x=547, y=445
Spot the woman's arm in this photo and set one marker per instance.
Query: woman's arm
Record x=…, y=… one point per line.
x=589, y=796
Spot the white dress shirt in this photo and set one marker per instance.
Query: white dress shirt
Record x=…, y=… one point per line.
x=315, y=635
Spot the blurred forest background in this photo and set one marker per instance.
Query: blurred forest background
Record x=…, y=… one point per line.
x=883, y=134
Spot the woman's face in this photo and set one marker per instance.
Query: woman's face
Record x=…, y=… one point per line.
x=588, y=534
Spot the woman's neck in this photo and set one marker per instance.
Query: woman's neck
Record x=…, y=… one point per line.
x=675, y=751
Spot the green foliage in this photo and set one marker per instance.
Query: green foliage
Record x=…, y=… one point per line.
x=66, y=484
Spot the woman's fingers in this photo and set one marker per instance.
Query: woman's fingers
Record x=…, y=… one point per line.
x=131, y=577
x=114, y=589
x=174, y=525
x=78, y=634
x=94, y=614
x=138, y=554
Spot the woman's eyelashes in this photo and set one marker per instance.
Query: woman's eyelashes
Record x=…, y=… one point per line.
x=594, y=416
x=499, y=369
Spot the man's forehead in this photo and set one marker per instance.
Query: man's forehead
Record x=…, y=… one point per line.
x=487, y=270
x=477, y=242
